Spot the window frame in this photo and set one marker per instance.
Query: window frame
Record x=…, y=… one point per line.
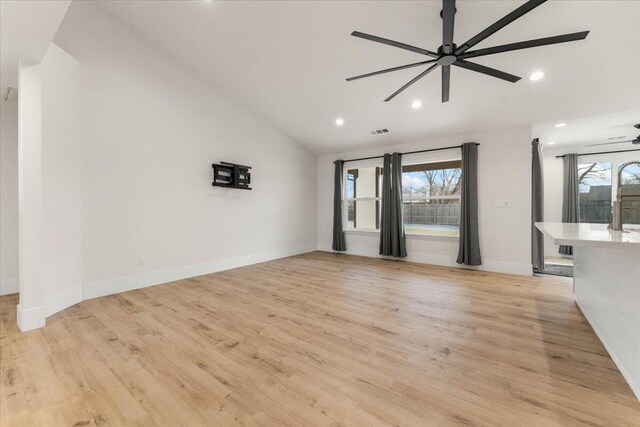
x=408, y=161
x=615, y=160
x=428, y=198
x=346, y=199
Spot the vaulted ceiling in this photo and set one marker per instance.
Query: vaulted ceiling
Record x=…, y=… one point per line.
x=26, y=29
x=287, y=61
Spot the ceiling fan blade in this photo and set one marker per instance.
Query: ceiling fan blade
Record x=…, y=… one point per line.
x=389, y=70
x=525, y=45
x=608, y=143
x=446, y=81
x=412, y=81
x=499, y=24
x=486, y=70
x=394, y=44
x=448, y=19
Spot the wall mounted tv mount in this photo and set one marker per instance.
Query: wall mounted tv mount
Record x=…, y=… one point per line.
x=231, y=175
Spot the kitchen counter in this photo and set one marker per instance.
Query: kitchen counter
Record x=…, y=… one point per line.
x=593, y=235
x=606, y=283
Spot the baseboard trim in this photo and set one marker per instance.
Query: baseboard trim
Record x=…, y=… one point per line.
x=9, y=285
x=60, y=301
x=520, y=269
x=635, y=388
x=122, y=284
x=29, y=319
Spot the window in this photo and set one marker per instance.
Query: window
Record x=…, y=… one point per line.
x=431, y=198
x=363, y=198
x=631, y=191
x=594, y=181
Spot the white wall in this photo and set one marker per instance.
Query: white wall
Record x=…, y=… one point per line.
x=504, y=174
x=8, y=197
x=151, y=129
x=61, y=180
x=30, y=311
x=49, y=204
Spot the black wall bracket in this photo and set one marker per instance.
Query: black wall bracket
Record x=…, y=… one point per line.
x=231, y=175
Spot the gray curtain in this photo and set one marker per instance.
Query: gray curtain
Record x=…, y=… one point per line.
x=469, y=250
x=339, y=243
x=570, y=195
x=391, y=227
x=537, y=206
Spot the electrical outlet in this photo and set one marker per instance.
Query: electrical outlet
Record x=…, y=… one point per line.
x=140, y=261
x=501, y=204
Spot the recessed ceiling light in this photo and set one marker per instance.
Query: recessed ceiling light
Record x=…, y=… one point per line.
x=551, y=142
x=339, y=122
x=560, y=125
x=416, y=104
x=536, y=75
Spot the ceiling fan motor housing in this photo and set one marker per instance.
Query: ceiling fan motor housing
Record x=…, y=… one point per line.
x=447, y=59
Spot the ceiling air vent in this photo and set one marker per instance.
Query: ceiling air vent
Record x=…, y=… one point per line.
x=378, y=132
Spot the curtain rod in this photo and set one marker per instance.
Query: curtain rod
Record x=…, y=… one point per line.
x=410, y=152
x=603, y=152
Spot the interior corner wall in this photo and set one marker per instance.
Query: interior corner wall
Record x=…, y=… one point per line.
x=552, y=169
x=504, y=175
x=8, y=198
x=30, y=310
x=49, y=196
x=152, y=127
x=61, y=180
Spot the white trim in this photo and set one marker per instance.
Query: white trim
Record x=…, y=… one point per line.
x=61, y=300
x=425, y=198
x=9, y=285
x=505, y=267
x=362, y=230
x=635, y=388
x=29, y=319
x=430, y=236
x=409, y=235
x=122, y=284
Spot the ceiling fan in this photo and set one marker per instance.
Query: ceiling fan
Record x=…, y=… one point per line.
x=451, y=54
x=633, y=141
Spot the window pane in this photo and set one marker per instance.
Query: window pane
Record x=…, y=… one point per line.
x=435, y=216
x=631, y=188
x=351, y=183
x=432, y=217
x=431, y=179
x=595, y=192
x=363, y=214
x=363, y=182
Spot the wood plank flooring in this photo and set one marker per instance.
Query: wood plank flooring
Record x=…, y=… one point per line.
x=317, y=339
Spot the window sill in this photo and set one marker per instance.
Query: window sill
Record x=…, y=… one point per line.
x=354, y=231
x=410, y=235
x=433, y=236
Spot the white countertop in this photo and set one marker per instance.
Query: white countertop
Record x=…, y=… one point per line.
x=594, y=235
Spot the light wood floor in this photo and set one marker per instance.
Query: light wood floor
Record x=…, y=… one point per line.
x=317, y=339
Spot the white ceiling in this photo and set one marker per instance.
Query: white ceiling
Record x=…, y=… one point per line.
x=26, y=29
x=288, y=61
x=580, y=133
